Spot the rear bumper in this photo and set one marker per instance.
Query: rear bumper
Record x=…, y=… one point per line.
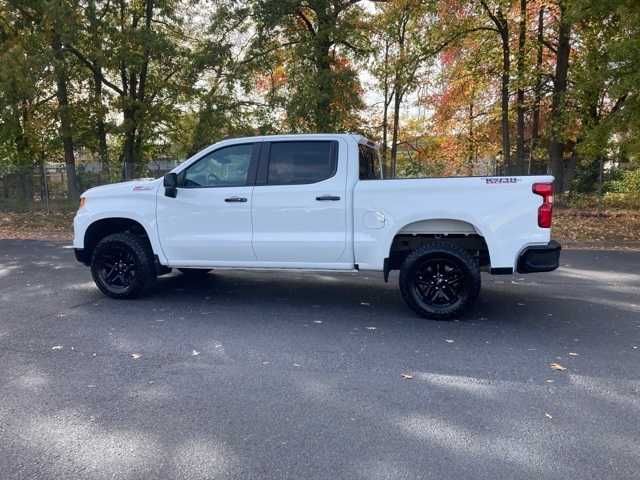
x=540, y=258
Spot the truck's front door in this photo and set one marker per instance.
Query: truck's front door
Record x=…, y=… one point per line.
x=209, y=220
x=300, y=205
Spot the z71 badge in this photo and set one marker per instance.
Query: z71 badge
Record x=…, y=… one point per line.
x=496, y=180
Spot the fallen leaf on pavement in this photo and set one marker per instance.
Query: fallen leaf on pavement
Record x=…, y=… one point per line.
x=557, y=366
x=406, y=376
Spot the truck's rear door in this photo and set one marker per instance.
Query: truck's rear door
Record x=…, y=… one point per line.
x=299, y=203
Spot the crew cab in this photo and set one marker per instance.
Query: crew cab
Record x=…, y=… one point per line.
x=319, y=203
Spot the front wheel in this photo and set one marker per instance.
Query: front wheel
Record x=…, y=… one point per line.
x=122, y=266
x=439, y=280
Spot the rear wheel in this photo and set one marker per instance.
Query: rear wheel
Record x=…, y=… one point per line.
x=439, y=280
x=122, y=266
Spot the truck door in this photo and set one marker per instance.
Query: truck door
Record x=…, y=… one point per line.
x=299, y=203
x=209, y=220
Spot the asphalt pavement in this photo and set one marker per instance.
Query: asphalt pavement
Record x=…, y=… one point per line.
x=317, y=376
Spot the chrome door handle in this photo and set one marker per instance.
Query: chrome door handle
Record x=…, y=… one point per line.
x=235, y=200
x=328, y=198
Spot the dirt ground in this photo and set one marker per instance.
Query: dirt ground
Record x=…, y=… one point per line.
x=618, y=229
x=37, y=225
x=572, y=228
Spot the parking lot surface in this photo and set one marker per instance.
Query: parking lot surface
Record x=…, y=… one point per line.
x=317, y=376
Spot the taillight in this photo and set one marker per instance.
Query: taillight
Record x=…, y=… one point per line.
x=545, y=212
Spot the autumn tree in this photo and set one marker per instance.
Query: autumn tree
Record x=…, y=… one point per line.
x=313, y=42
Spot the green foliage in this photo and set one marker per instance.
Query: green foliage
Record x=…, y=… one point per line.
x=151, y=79
x=311, y=77
x=629, y=182
x=610, y=200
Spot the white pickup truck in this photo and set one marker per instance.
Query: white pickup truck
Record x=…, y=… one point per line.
x=316, y=202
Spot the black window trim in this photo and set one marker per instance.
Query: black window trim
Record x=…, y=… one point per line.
x=251, y=173
x=263, y=167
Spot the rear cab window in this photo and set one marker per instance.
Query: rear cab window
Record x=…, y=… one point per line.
x=369, y=161
x=301, y=162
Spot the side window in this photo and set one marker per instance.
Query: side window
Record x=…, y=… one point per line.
x=294, y=163
x=226, y=167
x=370, y=168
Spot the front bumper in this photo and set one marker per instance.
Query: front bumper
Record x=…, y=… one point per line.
x=540, y=258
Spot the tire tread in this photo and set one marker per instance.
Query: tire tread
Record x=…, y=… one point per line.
x=146, y=276
x=440, y=246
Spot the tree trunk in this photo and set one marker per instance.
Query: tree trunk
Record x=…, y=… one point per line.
x=506, y=71
x=398, y=94
x=535, y=127
x=100, y=127
x=502, y=27
x=556, y=144
x=5, y=187
x=64, y=114
x=323, y=116
x=385, y=112
x=470, y=158
x=24, y=174
x=44, y=183
x=522, y=35
x=128, y=150
x=397, y=101
x=600, y=179
x=25, y=186
x=134, y=98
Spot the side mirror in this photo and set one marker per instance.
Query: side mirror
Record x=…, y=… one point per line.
x=170, y=185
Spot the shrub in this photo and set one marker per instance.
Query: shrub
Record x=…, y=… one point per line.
x=610, y=200
x=629, y=182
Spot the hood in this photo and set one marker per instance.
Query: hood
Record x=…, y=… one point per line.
x=141, y=184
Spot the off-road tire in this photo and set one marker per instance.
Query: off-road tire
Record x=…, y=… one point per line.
x=140, y=271
x=436, y=272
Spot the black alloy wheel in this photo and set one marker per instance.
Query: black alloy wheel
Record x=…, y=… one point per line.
x=122, y=265
x=439, y=280
x=117, y=268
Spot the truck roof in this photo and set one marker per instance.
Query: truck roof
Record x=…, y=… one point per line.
x=303, y=136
